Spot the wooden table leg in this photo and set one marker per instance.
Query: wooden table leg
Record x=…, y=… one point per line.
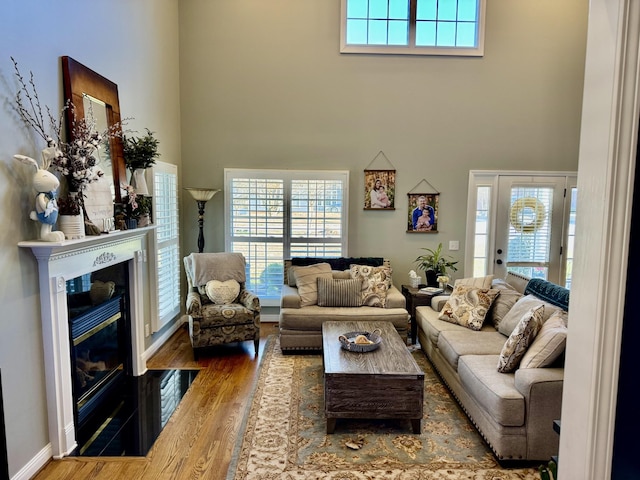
x=331, y=425
x=415, y=424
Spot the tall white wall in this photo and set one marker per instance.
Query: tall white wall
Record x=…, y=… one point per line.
x=263, y=85
x=135, y=45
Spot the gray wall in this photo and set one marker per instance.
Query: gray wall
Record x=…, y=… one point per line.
x=260, y=84
x=263, y=86
x=134, y=44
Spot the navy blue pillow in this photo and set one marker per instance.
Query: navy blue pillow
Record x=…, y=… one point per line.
x=549, y=292
x=341, y=263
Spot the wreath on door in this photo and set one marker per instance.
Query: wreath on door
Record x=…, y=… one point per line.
x=527, y=214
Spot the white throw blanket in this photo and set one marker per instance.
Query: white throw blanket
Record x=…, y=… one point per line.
x=216, y=266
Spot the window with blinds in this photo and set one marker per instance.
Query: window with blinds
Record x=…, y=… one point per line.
x=272, y=215
x=165, y=199
x=530, y=231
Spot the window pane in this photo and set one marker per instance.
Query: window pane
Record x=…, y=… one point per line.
x=357, y=9
x=571, y=237
x=427, y=9
x=467, y=10
x=357, y=32
x=447, y=9
x=378, y=9
x=398, y=32
x=466, y=35
x=426, y=34
x=377, y=32
x=446, y=34
x=399, y=9
x=264, y=261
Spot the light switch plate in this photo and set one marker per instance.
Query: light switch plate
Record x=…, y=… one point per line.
x=454, y=245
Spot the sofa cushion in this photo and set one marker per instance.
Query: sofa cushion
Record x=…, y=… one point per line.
x=222, y=292
x=339, y=293
x=375, y=282
x=549, y=344
x=522, y=336
x=307, y=281
x=478, y=282
x=455, y=343
x=494, y=391
x=522, y=306
x=468, y=306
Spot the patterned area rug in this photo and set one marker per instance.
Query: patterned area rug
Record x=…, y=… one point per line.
x=285, y=433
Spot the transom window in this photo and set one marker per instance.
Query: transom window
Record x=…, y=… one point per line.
x=271, y=215
x=415, y=27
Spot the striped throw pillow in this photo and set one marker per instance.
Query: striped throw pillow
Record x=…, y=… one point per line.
x=339, y=293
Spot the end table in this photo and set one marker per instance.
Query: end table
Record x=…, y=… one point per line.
x=415, y=299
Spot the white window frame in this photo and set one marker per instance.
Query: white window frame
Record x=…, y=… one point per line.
x=166, y=241
x=288, y=176
x=411, y=48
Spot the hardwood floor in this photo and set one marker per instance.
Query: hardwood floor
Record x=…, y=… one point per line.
x=198, y=440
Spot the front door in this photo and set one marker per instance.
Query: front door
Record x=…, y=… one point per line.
x=530, y=227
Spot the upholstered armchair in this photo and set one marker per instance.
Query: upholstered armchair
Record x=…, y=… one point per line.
x=220, y=309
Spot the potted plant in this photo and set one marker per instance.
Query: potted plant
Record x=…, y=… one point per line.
x=435, y=264
x=140, y=153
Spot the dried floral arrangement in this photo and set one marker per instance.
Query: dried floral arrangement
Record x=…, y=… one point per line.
x=76, y=159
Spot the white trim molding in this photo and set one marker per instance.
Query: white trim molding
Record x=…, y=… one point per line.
x=605, y=190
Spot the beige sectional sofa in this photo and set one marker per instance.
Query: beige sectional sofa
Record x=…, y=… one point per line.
x=514, y=412
x=301, y=326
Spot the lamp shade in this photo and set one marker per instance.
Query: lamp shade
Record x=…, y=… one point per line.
x=202, y=194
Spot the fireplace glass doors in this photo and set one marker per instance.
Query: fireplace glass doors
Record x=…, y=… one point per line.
x=98, y=335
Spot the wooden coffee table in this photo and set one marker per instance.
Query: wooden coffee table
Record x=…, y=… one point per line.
x=384, y=383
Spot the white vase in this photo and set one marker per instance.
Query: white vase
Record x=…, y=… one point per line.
x=139, y=181
x=71, y=225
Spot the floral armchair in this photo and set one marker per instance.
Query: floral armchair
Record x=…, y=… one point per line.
x=220, y=309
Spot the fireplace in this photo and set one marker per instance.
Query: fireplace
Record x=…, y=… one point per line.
x=65, y=322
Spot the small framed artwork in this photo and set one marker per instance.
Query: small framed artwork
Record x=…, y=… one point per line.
x=379, y=189
x=423, y=212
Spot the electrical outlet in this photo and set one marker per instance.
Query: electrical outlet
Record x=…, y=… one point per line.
x=147, y=330
x=454, y=245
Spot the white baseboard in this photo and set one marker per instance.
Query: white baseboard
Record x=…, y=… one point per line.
x=35, y=464
x=155, y=346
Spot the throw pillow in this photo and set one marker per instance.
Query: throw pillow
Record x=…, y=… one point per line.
x=468, y=306
x=522, y=306
x=503, y=303
x=339, y=293
x=516, y=345
x=549, y=344
x=374, y=284
x=477, y=282
x=101, y=291
x=222, y=293
x=307, y=282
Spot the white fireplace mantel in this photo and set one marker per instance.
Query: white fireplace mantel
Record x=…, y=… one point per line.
x=62, y=261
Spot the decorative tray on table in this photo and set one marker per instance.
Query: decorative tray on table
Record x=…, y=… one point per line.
x=360, y=341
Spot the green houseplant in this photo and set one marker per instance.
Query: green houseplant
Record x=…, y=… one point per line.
x=140, y=152
x=435, y=263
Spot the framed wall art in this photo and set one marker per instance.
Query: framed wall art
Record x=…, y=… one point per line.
x=423, y=212
x=379, y=189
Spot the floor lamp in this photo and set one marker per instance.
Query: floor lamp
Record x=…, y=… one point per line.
x=202, y=196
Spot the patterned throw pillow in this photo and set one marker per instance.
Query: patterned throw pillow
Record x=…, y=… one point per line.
x=374, y=284
x=468, y=306
x=516, y=345
x=222, y=293
x=522, y=306
x=339, y=293
x=307, y=282
x=549, y=344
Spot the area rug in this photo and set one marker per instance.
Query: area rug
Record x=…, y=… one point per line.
x=285, y=433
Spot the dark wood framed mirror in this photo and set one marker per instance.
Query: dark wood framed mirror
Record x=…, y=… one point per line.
x=88, y=89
